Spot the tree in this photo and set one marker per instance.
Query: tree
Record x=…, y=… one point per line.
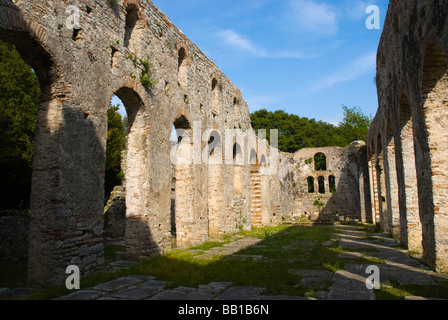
x=354, y=126
x=295, y=132
x=116, y=142
x=19, y=101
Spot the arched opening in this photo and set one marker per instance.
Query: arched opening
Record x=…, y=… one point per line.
x=182, y=191
x=20, y=97
x=332, y=184
x=114, y=187
x=238, y=170
x=320, y=162
x=240, y=193
x=135, y=175
x=236, y=112
x=134, y=27
x=182, y=68
x=411, y=229
x=215, y=98
x=214, y=147
x=382, y=194
x=434, y=182
x=311, y=188
x=66, y=186
x=392, y=182
x=215, y=185
x=321, y=184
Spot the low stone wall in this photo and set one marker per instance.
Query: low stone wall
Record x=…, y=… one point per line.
x=14, y=230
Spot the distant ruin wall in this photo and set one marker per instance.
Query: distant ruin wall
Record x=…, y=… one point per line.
x=327, y=194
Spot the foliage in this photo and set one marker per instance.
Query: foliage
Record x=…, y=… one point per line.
x=320, y=162
x=145, y=75
x=297, y=132
x=294, y=132
x=19, y=101
x=116, y=142
x=353, y=127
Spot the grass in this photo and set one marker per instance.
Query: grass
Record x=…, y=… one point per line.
x=181, y=268
x=394, y=291
x=283, y=248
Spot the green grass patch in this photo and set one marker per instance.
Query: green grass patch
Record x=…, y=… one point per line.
x=394, y=291
x=304, y=251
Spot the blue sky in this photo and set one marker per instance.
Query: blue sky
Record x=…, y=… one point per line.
x=306, y=57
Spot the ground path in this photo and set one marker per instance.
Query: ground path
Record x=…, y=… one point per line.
x=347, y=284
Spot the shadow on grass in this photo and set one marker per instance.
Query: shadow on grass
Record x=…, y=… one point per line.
x=267, y=265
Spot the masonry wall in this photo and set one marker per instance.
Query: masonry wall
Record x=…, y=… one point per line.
x=80, y=68
x=304, y=197
x=407, y=141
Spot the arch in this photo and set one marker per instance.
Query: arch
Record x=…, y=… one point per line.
x=134, y=26
x=182, y=187
x=238, y=169
x=263, y=160
x=182, y=66
x=217, y=221
x=236, y=112
x=214, y=147
x=253, y=158
x=215, y=97
x=433, y=172
x=320, y=162
x=311, y=188
x=321, y=184
x=392, y=181
x=332, y=184
x=382, y=194
x=410, y=225
x=136, y=176
x=238, y=157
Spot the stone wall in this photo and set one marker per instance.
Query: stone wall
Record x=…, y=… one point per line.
x=407, y=142
x=131, y=50
x=134, y=51
x=323, y=194
x=14, y=229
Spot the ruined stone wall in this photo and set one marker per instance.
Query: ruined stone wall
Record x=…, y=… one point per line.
x=303, y=185
x=14, y=229
x=131, y=50
x=407, y=142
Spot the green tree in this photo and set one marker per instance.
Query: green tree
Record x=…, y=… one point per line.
x=116, y=142
x=354, y=126
x=295, y=132
x=19, y=101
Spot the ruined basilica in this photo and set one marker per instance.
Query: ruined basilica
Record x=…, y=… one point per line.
x=397, y=179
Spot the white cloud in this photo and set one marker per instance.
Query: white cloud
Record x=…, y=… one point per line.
x=356, y=10
x=357, y=68
x=335, y=120
x=239, y=42
x=311, y=16
x=236, y=40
